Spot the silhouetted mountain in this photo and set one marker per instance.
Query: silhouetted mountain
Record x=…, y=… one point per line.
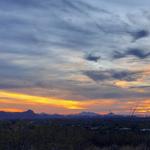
x=29, y=114
x=84, y=115
x=111, y=115
x=90, y=114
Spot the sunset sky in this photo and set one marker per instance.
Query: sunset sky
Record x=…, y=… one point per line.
x=68, y=56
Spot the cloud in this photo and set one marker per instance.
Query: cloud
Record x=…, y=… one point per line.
x=35, y=100
x=91, y=57
x=140, y=34
x=111, y=75
x=139, y=53
x=46, y=47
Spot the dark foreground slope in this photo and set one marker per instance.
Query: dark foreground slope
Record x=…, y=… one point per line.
x=75, y=134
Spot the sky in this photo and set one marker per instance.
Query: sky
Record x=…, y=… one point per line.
x=68, y=56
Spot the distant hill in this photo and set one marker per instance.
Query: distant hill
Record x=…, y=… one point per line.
x=30, y=114
x=91, y=114
x=18, y=115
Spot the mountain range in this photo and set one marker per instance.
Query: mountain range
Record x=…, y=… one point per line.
x=30, y=114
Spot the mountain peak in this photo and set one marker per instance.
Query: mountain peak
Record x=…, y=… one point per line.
x=111, y=114
x=29, y=111
x=84, y=113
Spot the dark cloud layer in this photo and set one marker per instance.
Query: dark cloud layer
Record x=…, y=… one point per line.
x=140, y=34
x=112, y=74
x=93, y=58
x=139, y=53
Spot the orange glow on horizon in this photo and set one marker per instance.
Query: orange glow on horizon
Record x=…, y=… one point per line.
x=34, y=100
x=10, y=101
x=11, y=110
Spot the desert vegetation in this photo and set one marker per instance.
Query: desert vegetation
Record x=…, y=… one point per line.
x=75, y=134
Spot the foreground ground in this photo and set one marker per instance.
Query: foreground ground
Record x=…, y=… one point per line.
x=75, y=134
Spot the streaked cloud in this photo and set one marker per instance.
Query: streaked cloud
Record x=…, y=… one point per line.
x=139, y=53
x=74, y=51
x=112, y=74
